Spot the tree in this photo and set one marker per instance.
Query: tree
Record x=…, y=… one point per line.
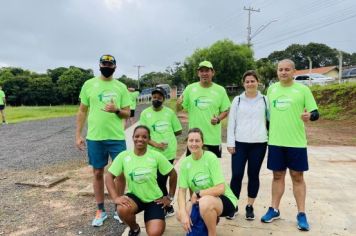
x=153, y=78
x=56, y=73
x=17, y=90
x=266, y=71
x=230, y=61
x=42, y=91
x=320, y=54
x=69, y=85
x=129, y=82
x=177, y=75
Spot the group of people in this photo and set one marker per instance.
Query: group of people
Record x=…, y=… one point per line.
x=255, y=123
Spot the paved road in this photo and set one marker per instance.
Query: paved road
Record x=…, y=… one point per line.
x=34, y=144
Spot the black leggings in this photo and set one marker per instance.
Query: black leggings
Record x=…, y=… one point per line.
x=253, y=153
x=162, y=181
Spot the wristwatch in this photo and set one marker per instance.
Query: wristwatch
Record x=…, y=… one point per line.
x=117, y=112
x=170, y=197
x=197, y=193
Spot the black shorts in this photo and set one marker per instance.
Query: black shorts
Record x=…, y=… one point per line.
x=132, y=113
x=216, y=149
x=152, y=210
x=2, y=107
x=280, y=158
x=228, y=207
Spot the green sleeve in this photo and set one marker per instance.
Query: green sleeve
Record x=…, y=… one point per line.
x=125, y=98
x=83, y=95
x=216, y=171
x=182, y=177
x=185, y=103
x=164, y=166
x=142, y=120
x=116, y=167
x=310, y=103
x=225, y=105
x=175, y=123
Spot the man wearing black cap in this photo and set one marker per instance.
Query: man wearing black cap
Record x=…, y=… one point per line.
x=109, y=103
x=164, y=126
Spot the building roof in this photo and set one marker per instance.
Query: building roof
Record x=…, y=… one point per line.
x=321, y=70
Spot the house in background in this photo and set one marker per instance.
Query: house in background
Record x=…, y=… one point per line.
x=329, y=71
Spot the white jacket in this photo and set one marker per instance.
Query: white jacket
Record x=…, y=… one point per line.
x=247, y=120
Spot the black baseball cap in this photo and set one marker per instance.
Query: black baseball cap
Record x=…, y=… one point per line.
x=107, y=58
x=159, y=90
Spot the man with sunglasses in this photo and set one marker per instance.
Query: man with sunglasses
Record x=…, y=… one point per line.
x=106, y=103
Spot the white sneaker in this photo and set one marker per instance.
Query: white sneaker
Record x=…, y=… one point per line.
x=116, y=217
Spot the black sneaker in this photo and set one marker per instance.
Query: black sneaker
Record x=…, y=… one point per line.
x=233, y=216
x=249, y=213
x=135, y=232
x=169, y=211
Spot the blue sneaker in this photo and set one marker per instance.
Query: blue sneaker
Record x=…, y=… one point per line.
x=271, y=215
x=302, y=221
x=99, y=219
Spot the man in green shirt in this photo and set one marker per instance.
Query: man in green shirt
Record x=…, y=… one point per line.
x=291, y=105
x=133, y=96
x=164, y=126
x=106, y=103
x=207, y=104
x=2, y=105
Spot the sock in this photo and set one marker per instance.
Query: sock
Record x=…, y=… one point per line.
x=101, y=206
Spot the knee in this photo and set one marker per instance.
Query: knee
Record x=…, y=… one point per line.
x=99, y=174
x=205, y=204
x=124, y=211
x=155, y=230
x=297, y=177
x=279, y=175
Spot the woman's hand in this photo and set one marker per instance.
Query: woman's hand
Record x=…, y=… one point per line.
x=164, y=201
x=231, y=150
x=186, y=222
x=194, y=198
x=123, y=201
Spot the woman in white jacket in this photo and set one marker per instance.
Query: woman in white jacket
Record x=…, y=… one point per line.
x=247, y=139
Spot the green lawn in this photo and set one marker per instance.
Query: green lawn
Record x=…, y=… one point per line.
x=25, y=113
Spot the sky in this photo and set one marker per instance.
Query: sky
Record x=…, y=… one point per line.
x=38, y=35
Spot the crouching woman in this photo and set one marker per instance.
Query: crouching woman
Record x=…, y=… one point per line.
x=201, y=173
x=140, y=168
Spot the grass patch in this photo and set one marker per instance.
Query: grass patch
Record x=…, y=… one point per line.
x=26, y=113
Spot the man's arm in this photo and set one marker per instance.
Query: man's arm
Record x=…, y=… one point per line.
x=179, y=102
x=124, y=112
x=81, y=117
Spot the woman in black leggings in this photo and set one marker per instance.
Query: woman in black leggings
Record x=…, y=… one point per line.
x=247, y=139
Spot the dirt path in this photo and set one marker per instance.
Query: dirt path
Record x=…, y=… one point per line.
x=32, y=151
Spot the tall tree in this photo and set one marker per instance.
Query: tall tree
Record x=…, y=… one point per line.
x=230, y=61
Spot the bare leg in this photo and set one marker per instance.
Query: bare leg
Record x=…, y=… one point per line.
x=128, y=214
x=210, y=208
x=98, y=185
x=278, y=185
x=120, y=184
x=155, y=227
x=299, y=189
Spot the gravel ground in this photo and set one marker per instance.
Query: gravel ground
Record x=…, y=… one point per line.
x=36, y=148
x=35, y=144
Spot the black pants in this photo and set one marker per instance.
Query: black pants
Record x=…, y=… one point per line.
x=253, y=153
x=162, y=181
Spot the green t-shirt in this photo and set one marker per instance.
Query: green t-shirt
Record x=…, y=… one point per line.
x=141, y=172
x=162, y=125
x=133, y=97
x=202, y=104
x=2, y=96
x=95, y=94
x=202, y=174
x=286, y=107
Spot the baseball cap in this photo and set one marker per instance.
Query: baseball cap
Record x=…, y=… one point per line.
x=206, y=64
x=107, y=58
x=159, y=90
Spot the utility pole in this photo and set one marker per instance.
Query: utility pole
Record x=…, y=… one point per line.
x=340, y=66
x=138, y=75
x=249, y=9
x=310, y=69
